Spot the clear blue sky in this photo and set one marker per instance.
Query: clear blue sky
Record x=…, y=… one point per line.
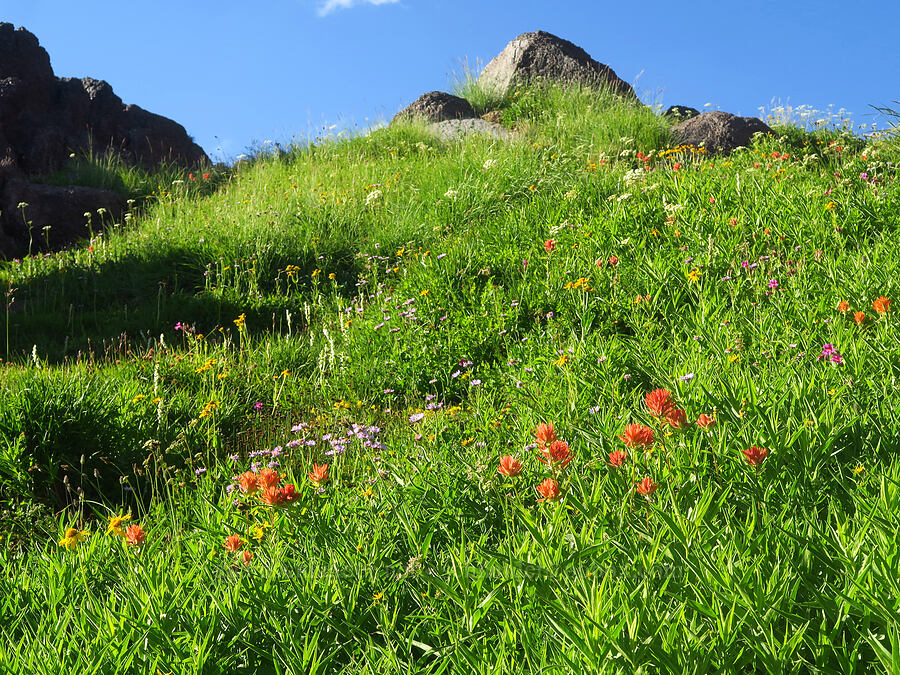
x=235, y=72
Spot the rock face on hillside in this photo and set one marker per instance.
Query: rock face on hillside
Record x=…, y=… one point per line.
x=680, y=113
x=44, y=119
x=718, y=132
x=437, y=106
x=452, y=130
x=543, y=56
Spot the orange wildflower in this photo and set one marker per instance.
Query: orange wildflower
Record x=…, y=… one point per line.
x=556, y=453
x=646, y=487
x=617, y=458
x=248, y=482
x=268, y=478
x=843, y=306
x=319, y=474
x=704, y=421
x=549, y=245
x=677, y=419
x=755, y=456
x=270, y=496
x=510, y=466
x=545, y=434
x=135, y=535
x=246, y=556
x=289, y=493
x=233, y=543
x=660, y=402
x=859, y=317
x=549, y=490
x=881, y=305
x=637, y=436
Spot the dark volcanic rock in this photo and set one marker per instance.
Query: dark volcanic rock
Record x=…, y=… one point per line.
x=44, y=119
x=718, y=131
x=680, y=113
x=30, y=207
x=437, y=106
x=540, y=55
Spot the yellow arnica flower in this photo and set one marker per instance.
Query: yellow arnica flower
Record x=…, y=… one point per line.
x=73, y=536
x=115, y=525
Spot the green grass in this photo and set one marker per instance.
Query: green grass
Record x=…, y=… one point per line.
x=395, y=282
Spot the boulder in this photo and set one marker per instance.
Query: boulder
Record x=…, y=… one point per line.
x=718, y=132
x=28, y=208
x=451, y=130
x=437, y=106
x=680, y=113
x=542, y=56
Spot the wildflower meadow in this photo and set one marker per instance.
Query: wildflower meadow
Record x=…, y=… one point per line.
x=580, y=401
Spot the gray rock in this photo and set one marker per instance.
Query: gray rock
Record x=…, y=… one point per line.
x=680, y=113
x=437, y=106
x=451, y=130
x=542, y=56
x=61, y=209
x=718, y=132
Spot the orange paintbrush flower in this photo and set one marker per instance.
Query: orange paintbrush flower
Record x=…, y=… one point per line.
x=659, y=402
x=549, y=245
x=270, y=496
x=249, y=482
x=755, y=456
x=859, y=317
x=545, y=434
x=617, y=458
x=704, y=421
x=510, y=466
x=233, y=543
x=677, y=419
x=556, y=453
x=268, y=478
x=646, y=487
x=289, y=493
x=881, y=305
x=549, y=490
x=638, y=436
x=319, y=475
x=135, y=535
x=843, y=306
x=246, y=556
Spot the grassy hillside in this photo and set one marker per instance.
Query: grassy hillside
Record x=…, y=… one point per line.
x=408, y=313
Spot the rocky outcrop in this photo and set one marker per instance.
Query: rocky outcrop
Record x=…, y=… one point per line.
x=437, y=106
x=718, y=132
x=451, y=130
x=680, y=113
x=543, y=56
x=44, y=119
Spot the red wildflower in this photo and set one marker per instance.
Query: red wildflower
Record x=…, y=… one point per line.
x=881, y=305
x=270, y=496
x=191, y=176
x=206, y=176
x=677, y=418
x=556, y=453
x=638, y=436
x=549, y=489
x=646, y=487
x=246, y=556
x=660, y=402
x=704, y=421
x=510, y=466
x=859, y=317
x=233, y=543
x=135, y=535
x=319, y=475
x=549, y=245
x=755, y=456
x=545, y=434
x=268, y=478
x=613, y=261
x=249, y=482
x=843, y=306
x=617, y=458
x=676, y=166
x=289, y=493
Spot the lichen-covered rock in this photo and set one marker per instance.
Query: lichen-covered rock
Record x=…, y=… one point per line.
x=437, y=106
x=718, y=132
x=451, y=130
x=543, y=56
x=680, y=113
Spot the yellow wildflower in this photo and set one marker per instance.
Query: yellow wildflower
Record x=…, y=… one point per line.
x=115, y=525
x=73, y=536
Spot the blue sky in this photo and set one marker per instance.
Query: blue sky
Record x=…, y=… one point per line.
x=235, y=72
